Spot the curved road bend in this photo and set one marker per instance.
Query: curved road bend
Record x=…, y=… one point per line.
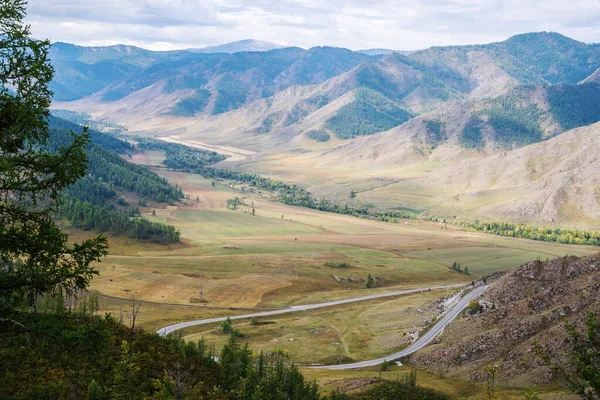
x=172, y=328
x=423, y=340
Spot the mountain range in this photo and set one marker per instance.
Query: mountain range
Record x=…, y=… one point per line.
x=422, y=124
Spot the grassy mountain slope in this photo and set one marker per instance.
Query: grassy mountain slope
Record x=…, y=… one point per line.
x=550, y=182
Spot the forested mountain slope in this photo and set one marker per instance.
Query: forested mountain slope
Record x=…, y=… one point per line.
x=96, y=202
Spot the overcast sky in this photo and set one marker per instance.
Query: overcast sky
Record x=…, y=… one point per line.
x=355, y=24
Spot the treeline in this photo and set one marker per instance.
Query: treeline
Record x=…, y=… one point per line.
x=187, y=159
x=369, y=113
x=101, y=218
x=526, y=231
x=471, y=136
x=180, y=157
x=575, y=105
x=92, y=203
x=296, y=196
x=77, y=355
x=192, y=104
x=319, y=135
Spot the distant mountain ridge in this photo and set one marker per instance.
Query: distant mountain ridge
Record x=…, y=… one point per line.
x=383, y=52
x=240, y=46
x=192, y=83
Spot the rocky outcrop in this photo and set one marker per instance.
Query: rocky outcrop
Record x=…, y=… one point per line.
x=530, y=304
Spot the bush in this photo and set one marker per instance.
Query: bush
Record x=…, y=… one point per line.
x=341, y=264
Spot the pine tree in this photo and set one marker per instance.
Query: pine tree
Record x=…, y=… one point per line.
x=370, y=282
x=35, y=255
x=94, y=391
x=126, y=376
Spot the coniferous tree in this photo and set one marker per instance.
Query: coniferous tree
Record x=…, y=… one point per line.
x=94, y=391
x=370, y=282
x=35, y=256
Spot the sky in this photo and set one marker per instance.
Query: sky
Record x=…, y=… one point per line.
x=354, y=24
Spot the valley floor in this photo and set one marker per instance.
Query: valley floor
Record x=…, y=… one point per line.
x=232, y=261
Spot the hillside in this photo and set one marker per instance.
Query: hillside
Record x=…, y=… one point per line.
x=595, y=77
x=550, y=182
x=553, y=182
x=529, y=304
x=522, y=115
x=109, y=197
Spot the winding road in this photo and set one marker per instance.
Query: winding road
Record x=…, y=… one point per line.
x=172, y=328
x=420, y=343
x=423, y=340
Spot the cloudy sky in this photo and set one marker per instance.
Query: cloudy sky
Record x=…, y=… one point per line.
x=355, y=24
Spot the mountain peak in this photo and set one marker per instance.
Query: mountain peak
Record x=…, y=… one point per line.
x=240, y=46
x=543, y=36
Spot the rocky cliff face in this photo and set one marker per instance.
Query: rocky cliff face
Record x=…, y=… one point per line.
x=529, y=304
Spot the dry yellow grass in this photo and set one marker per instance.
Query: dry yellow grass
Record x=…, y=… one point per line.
x=359, y=331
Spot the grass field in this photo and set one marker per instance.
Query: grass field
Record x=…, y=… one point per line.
x=231, y=261
x=277, y=257
x=359, y=331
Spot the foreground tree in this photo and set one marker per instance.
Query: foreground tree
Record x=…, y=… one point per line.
x=35, y=256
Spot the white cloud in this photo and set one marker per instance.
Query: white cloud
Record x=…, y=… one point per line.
x=400, y=24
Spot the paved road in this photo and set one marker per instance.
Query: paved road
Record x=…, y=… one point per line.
x=172, y=328
x=423, y=340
